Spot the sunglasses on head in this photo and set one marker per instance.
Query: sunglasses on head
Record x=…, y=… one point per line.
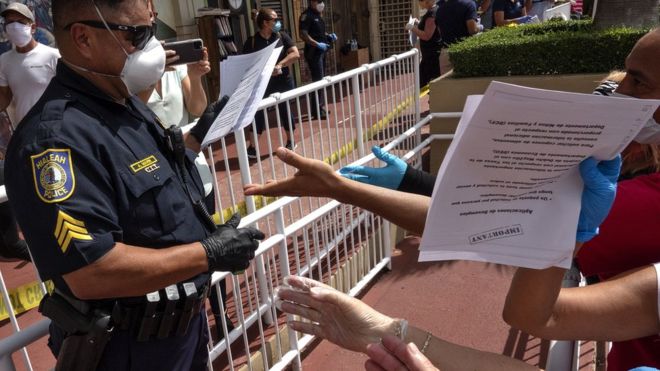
x=140, y=35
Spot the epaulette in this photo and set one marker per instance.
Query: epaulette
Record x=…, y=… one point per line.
x=54, y=110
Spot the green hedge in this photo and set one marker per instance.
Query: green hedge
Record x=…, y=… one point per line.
x=556, y=47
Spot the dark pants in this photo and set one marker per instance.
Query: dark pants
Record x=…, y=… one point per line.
x=277, y=85
x=316, y=61
x=123, y=352
x=9, y=239
x=429, y=67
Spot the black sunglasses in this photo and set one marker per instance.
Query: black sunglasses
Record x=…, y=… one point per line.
x=140, y=35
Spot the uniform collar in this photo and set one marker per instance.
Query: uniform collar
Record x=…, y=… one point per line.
x=74, y=81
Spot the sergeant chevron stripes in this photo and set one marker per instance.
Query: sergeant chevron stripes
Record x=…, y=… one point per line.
x=69, y=228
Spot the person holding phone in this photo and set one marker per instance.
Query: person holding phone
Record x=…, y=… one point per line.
x=179, y=94
x=270, y=31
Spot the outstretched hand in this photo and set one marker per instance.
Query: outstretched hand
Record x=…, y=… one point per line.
x=600, y=180
x=389, y=176
x=314, y=178
x=392, y=354
x=335, y=316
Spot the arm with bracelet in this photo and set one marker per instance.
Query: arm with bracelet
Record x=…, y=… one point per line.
x=352, y=324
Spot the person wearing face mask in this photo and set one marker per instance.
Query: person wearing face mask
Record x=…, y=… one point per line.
x=270, y=31
x=429, y=42
x=111, y=204
x=621, y=308
x=317, y=43
x=26, y=70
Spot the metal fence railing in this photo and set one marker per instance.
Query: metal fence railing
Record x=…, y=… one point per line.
x=375, y=104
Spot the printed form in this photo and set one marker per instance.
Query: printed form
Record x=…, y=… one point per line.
x=244, y=78
x=509, y=189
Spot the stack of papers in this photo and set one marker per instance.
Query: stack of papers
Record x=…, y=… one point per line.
x=244, y=78
x=509, y=189
x=412, y=37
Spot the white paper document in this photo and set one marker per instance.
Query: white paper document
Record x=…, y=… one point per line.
x=412, y=37
x=244, y=78
x=509, y=189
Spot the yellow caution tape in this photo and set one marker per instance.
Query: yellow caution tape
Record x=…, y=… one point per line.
x=24, y=298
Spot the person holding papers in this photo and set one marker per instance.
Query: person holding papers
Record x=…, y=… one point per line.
x=270, y=31
x=624, y=307
x=429, y=42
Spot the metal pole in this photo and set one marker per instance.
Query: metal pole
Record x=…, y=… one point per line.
x=355, y=84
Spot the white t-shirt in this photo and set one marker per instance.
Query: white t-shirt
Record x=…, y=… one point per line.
x=27, y=75
x=170, y=106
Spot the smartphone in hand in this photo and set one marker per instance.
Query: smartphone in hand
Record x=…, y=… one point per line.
x=189, y=51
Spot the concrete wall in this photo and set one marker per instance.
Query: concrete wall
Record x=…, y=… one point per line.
x=448, y=94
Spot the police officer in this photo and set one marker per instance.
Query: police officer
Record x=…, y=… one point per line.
x=317, y=43
x=429, y=42
x=109, y=201
x=456, y=20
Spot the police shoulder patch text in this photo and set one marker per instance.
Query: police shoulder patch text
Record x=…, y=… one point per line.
x=53, y=175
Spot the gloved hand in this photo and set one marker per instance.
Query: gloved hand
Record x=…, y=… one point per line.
x=597, y=195
x=409, y=26
x=323, y=46
x=332, y=37
x=389, y=176
x=230, y=249
x=206, y=120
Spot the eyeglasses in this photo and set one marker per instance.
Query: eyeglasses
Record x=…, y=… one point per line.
x=140, y=35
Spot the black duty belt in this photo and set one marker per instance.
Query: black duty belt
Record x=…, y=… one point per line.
x=162, y=314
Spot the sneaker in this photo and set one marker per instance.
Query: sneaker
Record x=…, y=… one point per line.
x=252, y=153
x=290, y=146
x=323, y=115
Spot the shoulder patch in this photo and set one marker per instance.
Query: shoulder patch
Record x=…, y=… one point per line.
x=52, y=171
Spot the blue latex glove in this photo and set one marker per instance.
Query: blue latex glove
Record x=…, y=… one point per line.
x=323, y=46
x=597, y=195
x=332, y=37
x=524, y=19
x=389, y=176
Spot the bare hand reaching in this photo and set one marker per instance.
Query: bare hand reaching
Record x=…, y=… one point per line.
x=335, y=316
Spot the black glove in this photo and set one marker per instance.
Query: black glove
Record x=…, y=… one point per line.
x=230, y=249
x=206, y=120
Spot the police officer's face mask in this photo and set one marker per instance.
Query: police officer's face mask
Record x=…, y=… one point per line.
x=650, y=133
x=144, y=67
x=320, y=7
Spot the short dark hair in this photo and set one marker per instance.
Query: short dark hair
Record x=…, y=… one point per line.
x=66, y=11
x=263, y=16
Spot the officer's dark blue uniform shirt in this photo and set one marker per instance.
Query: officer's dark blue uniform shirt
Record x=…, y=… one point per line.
x=84, y=172
x=312, y=22
x=452, y=17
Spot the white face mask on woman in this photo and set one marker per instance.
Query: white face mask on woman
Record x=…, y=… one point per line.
x=19, y=34
x=320, y=7
x=650, y=133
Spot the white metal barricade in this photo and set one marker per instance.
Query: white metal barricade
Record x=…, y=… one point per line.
x=371, y=105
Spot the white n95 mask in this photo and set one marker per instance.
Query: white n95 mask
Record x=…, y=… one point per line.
x=320, y=7
x=19, y=34
x=143, y=68
x=650, y=133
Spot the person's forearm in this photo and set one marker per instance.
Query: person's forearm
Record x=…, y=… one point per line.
x=5, y=97
x=449, y=356
x=531, y=299
x=406, y=210
x=308, y=39
x=127, y=271
x=290, y=58
x=192, y=143
x=427, y=33
x=196, y=101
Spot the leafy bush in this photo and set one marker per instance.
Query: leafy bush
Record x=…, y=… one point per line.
x=555, y=47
